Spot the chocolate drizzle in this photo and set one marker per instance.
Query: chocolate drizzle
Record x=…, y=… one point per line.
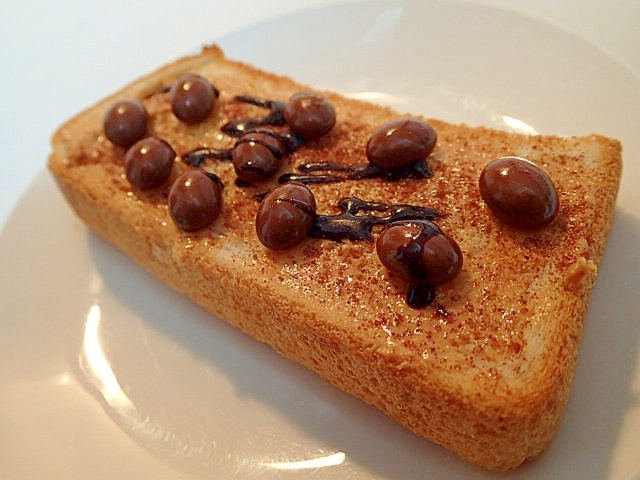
x=289, y=141
x=196, y=157
x=411, y=254
x=420, y=296
x=309, y=173
x=275, y=117
x=357, y=217
x=240, y=128
x=357, y=220
x=332, y=172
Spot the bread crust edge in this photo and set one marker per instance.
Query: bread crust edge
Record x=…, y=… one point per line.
x=494, y=437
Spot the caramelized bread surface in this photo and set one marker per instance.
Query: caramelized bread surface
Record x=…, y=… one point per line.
x=485, y=370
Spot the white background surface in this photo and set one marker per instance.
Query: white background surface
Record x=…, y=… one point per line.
x=59, y=57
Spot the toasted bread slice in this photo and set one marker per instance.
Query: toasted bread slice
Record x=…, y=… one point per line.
x=485, y=370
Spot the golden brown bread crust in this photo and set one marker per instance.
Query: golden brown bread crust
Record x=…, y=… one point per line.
x=484, y=371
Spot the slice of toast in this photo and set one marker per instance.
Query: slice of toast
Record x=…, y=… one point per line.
x=485, y=370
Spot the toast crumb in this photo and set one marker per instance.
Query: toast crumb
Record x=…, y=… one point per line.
x=580, y=272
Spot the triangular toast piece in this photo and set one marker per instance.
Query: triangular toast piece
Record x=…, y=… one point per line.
x=484, y=369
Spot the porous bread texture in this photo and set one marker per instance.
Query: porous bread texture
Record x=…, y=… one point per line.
x=484, y=371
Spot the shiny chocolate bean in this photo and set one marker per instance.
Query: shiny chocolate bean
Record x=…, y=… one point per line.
x=519, y=193
x=195, y=200
x=309, y=115
x=125, y=122
x=148, y=162
x=400, y=143
x=286, y=216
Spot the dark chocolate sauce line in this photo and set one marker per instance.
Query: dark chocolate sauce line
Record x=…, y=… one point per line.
x=298, y=204
x=411, y=254
x=309, y=179
x=325, y=167
x=420, y=296
x=275, y=117
x=355, y=205
x=239, y=128
x=290, y=142
x=196, y=157
x=278, y=153
x=353, y=224
x=325, y=172
x=215, y=178
x=311, y=173
x=260, y=102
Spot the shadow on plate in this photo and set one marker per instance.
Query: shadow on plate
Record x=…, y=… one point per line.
x=375, y=446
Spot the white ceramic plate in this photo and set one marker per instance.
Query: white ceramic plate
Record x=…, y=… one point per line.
x=106, y=373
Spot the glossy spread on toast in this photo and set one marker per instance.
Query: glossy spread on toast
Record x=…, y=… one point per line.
x=483, y=367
